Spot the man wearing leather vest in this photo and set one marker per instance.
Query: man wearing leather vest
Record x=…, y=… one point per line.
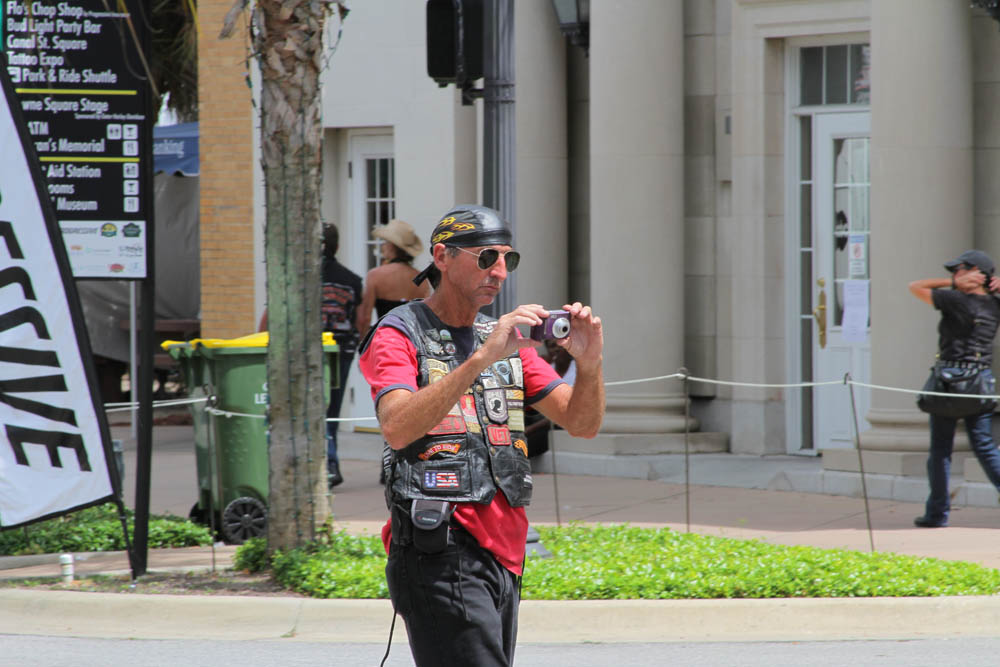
x=970, y=314
x=450, y=386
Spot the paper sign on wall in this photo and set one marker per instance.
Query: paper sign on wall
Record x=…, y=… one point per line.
x=857, y=256
x=855, y=322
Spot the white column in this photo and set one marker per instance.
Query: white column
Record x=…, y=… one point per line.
x=921, y=196
x=637, y=210
x=542, y=179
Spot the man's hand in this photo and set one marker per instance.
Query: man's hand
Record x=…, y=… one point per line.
x=580, y=409
x=968, y=281
x=994, y=285
x=504, y=340
x=585, y=342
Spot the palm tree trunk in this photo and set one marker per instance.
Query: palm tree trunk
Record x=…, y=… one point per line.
x=288, y=42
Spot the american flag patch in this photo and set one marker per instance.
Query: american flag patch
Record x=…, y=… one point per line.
x=440, y=479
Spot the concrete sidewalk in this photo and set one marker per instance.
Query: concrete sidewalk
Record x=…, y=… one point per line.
x=749, y=511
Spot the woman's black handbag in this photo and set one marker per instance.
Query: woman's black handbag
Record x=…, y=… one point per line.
x=958, y=380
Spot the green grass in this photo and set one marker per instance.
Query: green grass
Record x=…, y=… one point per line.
x=98, y=529
x=626, y=562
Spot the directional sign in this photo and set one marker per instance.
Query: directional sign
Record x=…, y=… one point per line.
x=81, y=81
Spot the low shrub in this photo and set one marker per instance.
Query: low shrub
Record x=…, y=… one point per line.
x=251, y=556
x=336, y=566
x=626, y=562
x=98, y=529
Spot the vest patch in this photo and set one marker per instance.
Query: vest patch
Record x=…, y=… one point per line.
x=504, y=372
x=450, y=425
x=468, y=404
x=496, y=405
x=436, y=370
x=441, y=479
x=498, y=435
x=522, y=446
x=517, y=370
x=437, y=448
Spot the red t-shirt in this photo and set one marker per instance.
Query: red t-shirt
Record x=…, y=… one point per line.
x=389, y=363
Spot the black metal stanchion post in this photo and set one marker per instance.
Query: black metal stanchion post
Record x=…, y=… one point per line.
x=687, y=449
x=555, y=478
x=213, y=466
x=861, y=464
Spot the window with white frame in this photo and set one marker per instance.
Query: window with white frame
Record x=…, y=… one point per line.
x=380, y=200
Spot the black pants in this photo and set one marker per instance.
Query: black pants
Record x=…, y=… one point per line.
x=459, y=605
x=333, y=409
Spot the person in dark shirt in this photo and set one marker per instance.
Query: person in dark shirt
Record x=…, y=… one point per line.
x=342, y=290
x=970, y=314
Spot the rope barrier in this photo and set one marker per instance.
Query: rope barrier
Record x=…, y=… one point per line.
x=122, y=407
x=846, y=381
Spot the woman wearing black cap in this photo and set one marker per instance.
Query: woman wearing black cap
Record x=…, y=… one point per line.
x=970, y=315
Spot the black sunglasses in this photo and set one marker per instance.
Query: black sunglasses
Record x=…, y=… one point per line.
x=488, y=257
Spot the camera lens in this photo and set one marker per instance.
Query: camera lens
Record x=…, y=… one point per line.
x=560, y=328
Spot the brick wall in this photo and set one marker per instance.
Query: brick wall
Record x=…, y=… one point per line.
x=226, y=123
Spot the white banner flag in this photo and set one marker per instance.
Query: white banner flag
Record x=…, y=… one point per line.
x=53, y=433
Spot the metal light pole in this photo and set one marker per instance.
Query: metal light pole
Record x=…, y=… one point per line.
x=499, y=139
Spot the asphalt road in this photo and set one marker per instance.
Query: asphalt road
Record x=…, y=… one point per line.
x=37, y=651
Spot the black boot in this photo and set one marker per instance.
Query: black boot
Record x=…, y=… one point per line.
x=333, y=476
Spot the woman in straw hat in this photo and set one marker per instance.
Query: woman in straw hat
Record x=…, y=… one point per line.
x=391, y=283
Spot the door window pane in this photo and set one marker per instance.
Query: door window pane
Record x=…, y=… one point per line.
x=836, y=75
x=380, y=204
x=812, y=75
x=807, y=376
x=805, y=213
x=851, y=194
x=805, y=258
x=861, y=60
x=371, y=182
x=805, y=148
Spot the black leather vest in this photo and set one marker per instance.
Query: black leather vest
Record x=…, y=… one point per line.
x=480, y=445
x=967, y=334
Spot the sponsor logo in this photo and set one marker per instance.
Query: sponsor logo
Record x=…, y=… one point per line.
x=130, y=250
x=131, y=230
x=108, y=229
x=116, y=268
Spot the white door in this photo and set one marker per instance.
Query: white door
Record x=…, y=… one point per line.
x=840, y=342
x=372, y=189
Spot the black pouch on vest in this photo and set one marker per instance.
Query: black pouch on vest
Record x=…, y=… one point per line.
x=430, y=525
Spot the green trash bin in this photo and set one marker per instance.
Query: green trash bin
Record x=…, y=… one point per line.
x=231, y=451
x=195, y=370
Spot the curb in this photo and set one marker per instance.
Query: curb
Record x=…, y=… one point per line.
x=141, y=616
x=17, y=562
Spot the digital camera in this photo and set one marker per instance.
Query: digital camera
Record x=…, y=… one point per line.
x=556, y=325
x=987, y=276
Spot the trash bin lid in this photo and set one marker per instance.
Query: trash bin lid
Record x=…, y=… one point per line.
x=257, y=340
x=177, y=348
